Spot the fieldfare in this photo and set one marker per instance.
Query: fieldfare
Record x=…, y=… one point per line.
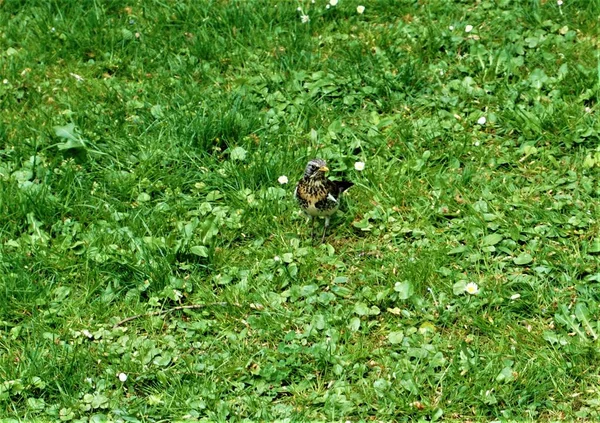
x=317, y=195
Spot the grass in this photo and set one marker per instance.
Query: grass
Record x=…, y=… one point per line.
x=140, y=149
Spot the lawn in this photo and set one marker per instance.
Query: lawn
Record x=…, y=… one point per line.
x=154, y=264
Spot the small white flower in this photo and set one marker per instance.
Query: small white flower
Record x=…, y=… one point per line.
x=299, y=9
x=282, y=179
x=87, y=333
x=5, y=81
x=53, y=29
x=441, y=72
x=471, y=288
x=304, y=18
x=122, y=377
x=312, y=1
x=276, y=258
x=333, y=2
x=360, y=9
x=328, y=6
x=482, y=120
x=451, y=28
x=515, y=296
x=468, y=28
x=360, y=166
x=588, y=110
x=559, y=2
x=476, y=144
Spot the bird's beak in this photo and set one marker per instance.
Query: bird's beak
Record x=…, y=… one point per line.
x=324, y=169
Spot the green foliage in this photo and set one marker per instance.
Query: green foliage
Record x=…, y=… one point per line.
x=141, y=150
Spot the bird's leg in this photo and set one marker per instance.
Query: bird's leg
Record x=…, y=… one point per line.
x=325, y=229
x=312, y=227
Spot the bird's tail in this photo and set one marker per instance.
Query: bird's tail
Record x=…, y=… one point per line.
x=343, y=185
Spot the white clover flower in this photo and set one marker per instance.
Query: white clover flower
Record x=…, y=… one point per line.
x=122, y=377
x=299, y=9
x=333, y=2
x=451, y=28
x=471, y=288
x=559, y=2
x=515, y=296
x=276, y=258
x=304, y=18
x=5, y=81
x=482, y=120
x=328, y=6
x=360, y=166
x=360, y=9
x=282, y=179
x=468, y=28
x=588, y=110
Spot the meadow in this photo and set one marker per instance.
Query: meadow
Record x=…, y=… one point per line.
x=154, y=265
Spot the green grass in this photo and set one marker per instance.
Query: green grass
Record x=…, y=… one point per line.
x=140, y=147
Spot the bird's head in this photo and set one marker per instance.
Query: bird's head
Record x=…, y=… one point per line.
x=315, y=169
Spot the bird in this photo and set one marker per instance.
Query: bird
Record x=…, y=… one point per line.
x=317, y=195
